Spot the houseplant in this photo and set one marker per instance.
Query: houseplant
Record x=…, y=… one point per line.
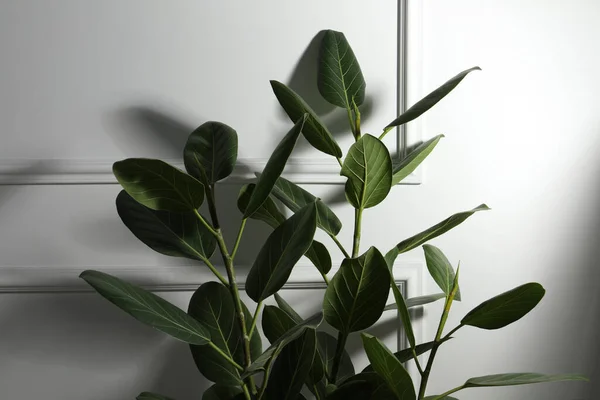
x=160, y=205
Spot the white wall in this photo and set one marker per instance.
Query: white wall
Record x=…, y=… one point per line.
x=106, y=80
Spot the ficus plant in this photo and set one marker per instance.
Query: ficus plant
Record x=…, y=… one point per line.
x=160, y=204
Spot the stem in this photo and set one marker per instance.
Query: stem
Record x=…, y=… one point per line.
x=225, y=356
x=340, y=246
x=238, y=239
x=233, y=288
x=325, y=278
x=214, y=271
x=339, y=351
x=246, y=392
x=267, y=373
x=352, y=124
x=255, y=318
x=205, y=223
x=385, y=131
x=357, y=228
x=339, y=160
x=449, y=392
x=451, y=332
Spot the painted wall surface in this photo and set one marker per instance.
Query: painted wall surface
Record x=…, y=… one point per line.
x=107, y=80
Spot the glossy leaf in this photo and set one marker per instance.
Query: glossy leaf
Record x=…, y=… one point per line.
x=368, y=167
x=418, y=301
x=340, y=79
x=173, y=234
x=389, y=368
x=514, y=379
x=152, y=396
x=211, y=151
x=220, y=392
x=431, y=233
x=294, y=198
x=404, y=167
x=147, y=307
x=282, y=250
x=274, y=168
x=505, y=308
x=431, y=99
x=212, y=305
x=267, y=212
x=275, y=323
x=260, y=362
x=158, y=185
x=314, y=130
x=356, y=295
x=440, y=269
x=287, y=308
x=318, y=254
x=292, y=367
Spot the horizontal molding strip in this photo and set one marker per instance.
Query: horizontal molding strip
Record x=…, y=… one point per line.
x=82, y=172
x=51, y=279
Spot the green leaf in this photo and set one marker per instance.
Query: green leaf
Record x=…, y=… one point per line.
x=356, y=295
x=407, y=355
x=285, y=306
x=173, y=234
x=356, y=390
x=158, y=185
x=212, y=306
x=267, y=212
x=292, y=367
x=275, y=323
x=403, y=168
x=210, y=153
x=314, y=130
x=220, y=392
x=260, y=362
x=440, y=269
x=327, y=347
x=340, y=79
x=431, y=99
x=418, y=301
x=152, y=396
x=403, y=312
x=147, y=307
x=274, y=168
x=389, y=368
x=294, y=198
x=282, y=250
x=523, y=378
x=440, y=398
x=319, y=255
x=505, y=308
x=433, y=232
x=368, y=167
x=377, y=387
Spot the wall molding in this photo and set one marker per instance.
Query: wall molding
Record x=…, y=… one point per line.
x=299, y=170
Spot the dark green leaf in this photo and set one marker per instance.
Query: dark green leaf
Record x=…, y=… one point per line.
x=440, y=269
x=274, y=167
x=220, y=392
x=514, y=379
x=407, y=355
x=440, y=398
x=211, y=152
x=368, y=167
x=294, y=198
x=319, y=255
x=275, y=323
x=340, y=79
x=314, y=130
x=433, y=232
x=291, y=367
x=403, y=312
x=158, y=185
x=282, y=250
x=418, y=301
x=403, y=168
x=327, y=347
x=212, y=305
x=152, y=396
x=505, y=308
x=268, y=211
x=379, y=389
x=356, y=295
x=430, y=100
x=389, y=368
x=356, y=390
x=260, y=362
x=173, y=234
x=147, y=307
x=284, y=305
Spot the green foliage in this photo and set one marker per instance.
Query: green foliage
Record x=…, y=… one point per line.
x=160, y=206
